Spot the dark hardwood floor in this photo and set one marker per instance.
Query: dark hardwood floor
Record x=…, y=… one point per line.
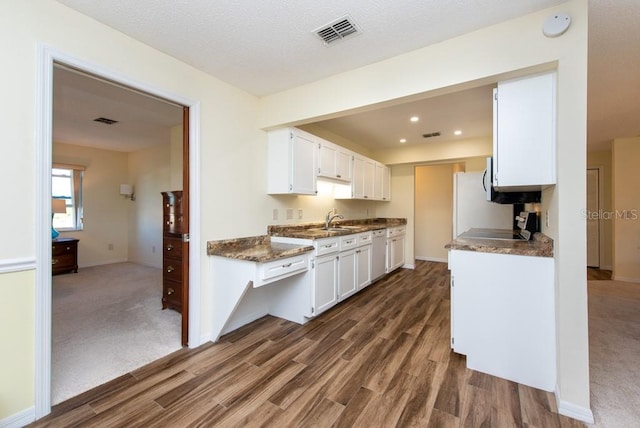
x=380, y=359
x=598, y=274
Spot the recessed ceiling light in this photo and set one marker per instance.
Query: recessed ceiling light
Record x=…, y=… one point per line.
x=414, y=118
x=403, y=140
x=457, y=132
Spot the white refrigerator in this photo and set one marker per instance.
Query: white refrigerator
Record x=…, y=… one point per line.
x=471, y=208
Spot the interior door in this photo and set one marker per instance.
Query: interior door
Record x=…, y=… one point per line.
x=593, y=217
x=185, y=226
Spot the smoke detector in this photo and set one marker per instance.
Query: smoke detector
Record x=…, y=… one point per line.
x=337, y=30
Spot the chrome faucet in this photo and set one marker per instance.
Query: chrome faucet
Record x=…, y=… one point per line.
x=330, y=216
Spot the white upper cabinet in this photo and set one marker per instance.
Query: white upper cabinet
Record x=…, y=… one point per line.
x=524, y=133
x=334, y=162
x=291, y=162
x=386, y=183
x=382, y=183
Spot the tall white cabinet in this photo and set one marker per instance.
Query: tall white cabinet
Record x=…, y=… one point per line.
x=524, y=133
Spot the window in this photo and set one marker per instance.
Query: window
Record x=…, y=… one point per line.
x=66, y=184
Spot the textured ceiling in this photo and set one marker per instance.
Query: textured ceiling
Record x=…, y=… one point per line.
x=267, y=46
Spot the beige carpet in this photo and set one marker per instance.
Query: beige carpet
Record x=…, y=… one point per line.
x=107, y=321
x=614, y=353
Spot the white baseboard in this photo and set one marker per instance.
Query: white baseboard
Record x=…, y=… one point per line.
x=433, y=259
x=626, y=279
x=17, y=265
x=408, y=266
x=19, y=419
x=102, y=263
x=574, y=411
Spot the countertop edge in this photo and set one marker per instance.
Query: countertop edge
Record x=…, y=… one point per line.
x=540, y=246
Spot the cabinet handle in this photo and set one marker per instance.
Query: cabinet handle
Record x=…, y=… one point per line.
x=54, y=261
x=338, y=175
x=287, y=265
x=170, y=269
x=327, y=246
x=169, y=247
x=170, y=291
x=68, y=248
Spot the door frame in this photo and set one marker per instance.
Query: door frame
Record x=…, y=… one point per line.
x=600, y=204
x=46, y=57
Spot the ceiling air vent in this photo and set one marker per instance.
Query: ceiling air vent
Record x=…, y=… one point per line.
x=431, y=134
x=337, y=30
x=105, y=120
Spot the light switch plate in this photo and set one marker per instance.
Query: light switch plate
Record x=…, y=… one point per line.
x=275, y=214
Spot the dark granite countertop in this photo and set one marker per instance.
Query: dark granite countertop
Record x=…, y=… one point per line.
x=258, y=249
x=316, y=230
x=540, y=245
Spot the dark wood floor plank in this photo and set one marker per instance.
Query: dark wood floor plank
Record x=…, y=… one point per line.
x=382, y=358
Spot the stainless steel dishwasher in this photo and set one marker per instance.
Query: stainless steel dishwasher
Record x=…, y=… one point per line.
x=379, y=254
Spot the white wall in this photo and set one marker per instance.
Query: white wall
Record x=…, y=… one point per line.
x=434, y=211
x=516, y=47
x=150, y=172
x=105, y=235
x=626, y=203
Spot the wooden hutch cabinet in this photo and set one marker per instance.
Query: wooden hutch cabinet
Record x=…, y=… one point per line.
x=172, y=250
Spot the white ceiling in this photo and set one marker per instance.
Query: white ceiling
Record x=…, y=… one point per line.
x=267, y=46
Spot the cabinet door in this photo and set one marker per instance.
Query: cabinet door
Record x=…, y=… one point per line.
x=325, y=290
x=395, y=253
x=378, y=181
x=326, y=160
x=303, y=166
x=363, y=265
x=386, y=183
x=343, y=164
x=369, y=178
x=525, y=132
x=357, y=184
x=346, y=274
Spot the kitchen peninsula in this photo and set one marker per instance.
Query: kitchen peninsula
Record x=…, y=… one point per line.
x=298, y=271
x=503, y=307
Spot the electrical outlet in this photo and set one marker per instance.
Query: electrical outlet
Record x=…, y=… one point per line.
x=546, y=218
x=299, y=213
x=289, y=213
x=275, y=214
x=153, y=249
x=110, y=247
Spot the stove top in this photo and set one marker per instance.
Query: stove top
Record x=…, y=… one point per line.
x=497, y=234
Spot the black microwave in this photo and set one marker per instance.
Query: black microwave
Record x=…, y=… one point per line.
x=501, y=197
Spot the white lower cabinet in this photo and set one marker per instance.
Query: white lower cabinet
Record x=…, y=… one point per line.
x=363, y=266
x=325, y=283
x=347, y=265
x=503, y=315
x=395, y=248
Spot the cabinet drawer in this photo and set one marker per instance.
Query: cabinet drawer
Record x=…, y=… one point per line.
x=63, y=248
x=396, y=231
x=173, y=205
x=172, y=269
x=364, y=238
x=172, y=248
x=348, y=242
x=173, y=224
x=171, y=295
x=63, y=261
x=326, y=246
x=279, y=269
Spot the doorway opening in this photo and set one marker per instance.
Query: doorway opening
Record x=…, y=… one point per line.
x=48, y=60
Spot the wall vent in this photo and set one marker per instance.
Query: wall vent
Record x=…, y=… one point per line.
x=431, y=134
x=337, y=30
x=105, y=120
